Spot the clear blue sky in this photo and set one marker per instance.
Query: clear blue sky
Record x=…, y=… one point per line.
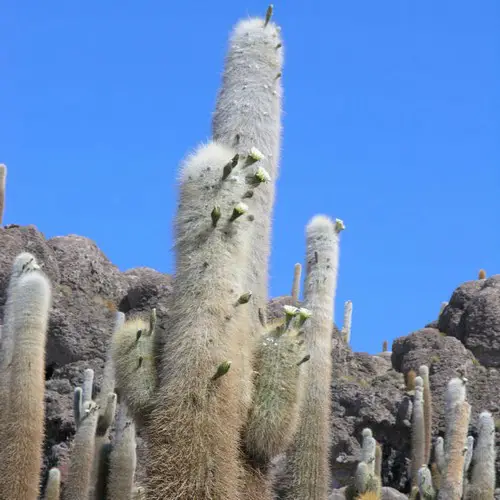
x=392, y=123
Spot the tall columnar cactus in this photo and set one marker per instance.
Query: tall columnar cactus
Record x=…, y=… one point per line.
x=22, y=412
x=23, y=264
x=205, y=373
x=81, y=478
x=418, y=431
x=297, y=274
x=467, y=461
x=307, y=468
x=122, y=459
x=248, y=115
x=424, y=373
x=457, y=423
x=346, y=327
x=482, y=485
x=3, y=177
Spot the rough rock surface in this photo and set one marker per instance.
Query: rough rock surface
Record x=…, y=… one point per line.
x=473, y=316
x=367, y=390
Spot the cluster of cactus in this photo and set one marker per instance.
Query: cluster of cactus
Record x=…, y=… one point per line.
x=447, y=478
x=221, y=391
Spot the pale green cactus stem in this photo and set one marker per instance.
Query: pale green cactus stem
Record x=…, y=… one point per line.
x=53, y=488
x=273, y=416
x=425, y=486
x=307, y=471
x=133, y=352
x=22, y=412
x=483, y=478
x=417, y=431
x=346, y=327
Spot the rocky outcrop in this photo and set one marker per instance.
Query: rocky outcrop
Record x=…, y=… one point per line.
x=473, y=317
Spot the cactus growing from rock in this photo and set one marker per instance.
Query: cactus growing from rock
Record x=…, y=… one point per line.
x=418, y=441
x=482, y=484
x=424, y=374
x=297, y=274
x=346, y=326
x=53, y=489
x=22, y=412
x=307, y=467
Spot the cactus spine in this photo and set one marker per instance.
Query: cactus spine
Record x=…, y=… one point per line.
x=424, y=373
x=23, y=412
x=482, y=485
x=346, y=327
x=307, y=469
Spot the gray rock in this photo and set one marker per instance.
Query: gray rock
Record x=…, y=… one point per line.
x=473, y=316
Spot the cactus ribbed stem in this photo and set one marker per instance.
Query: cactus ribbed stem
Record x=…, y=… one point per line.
x=23, y=425
x=308, y=468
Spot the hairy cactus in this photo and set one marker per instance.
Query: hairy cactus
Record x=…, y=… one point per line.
x=307, y=469
x=53, y=489
x=22, y=438
x=424, y=374
x=481, y=274
x=425, y=487
x=346, y=326
x=482, y=485
x=297, y=274
x=133, y=354
x=273, y=417
x=418, y=431
x=195, y=424
x=248, y=116
x=122, y=459
x=79, y=483
x=457, y=423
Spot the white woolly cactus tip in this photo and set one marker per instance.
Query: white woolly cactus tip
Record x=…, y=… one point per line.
x=24, y=263
x=241, y=207
x=304, y=313
x=339, y=225
x=367, y=432
x=419, y=382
